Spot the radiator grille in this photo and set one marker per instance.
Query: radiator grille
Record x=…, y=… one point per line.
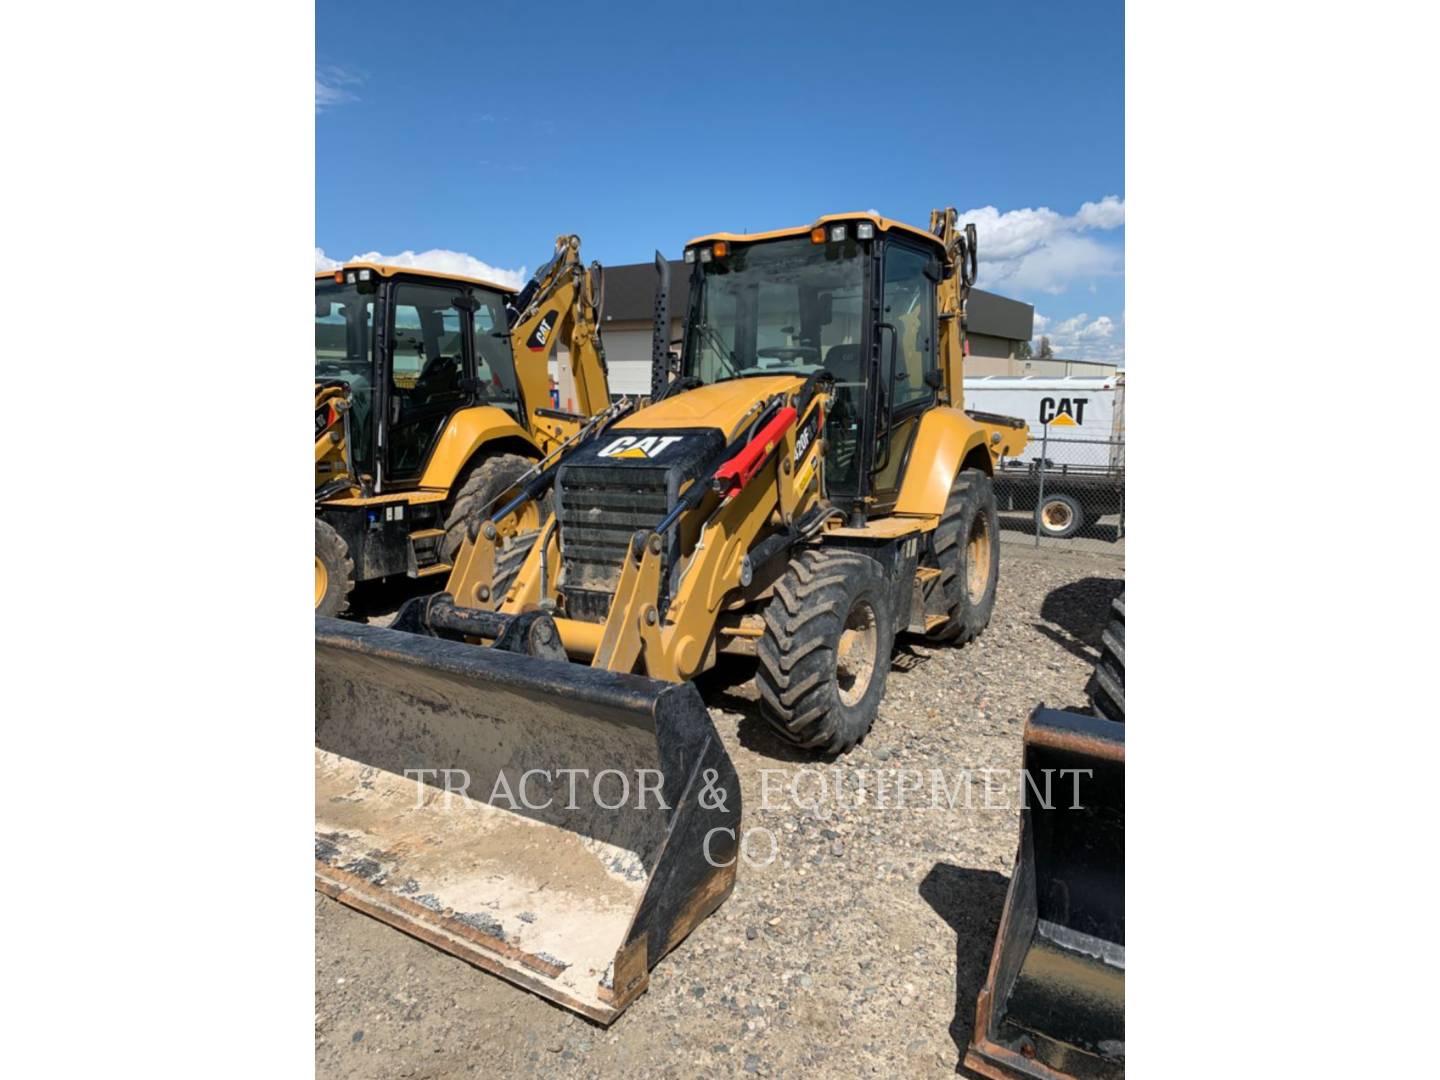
x=600, y=509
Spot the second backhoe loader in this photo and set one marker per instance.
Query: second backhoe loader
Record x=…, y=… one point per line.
x=806, y=487
x=433, y=398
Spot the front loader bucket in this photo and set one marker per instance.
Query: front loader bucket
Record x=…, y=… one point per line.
x=560, y=826
x=1053, y=1004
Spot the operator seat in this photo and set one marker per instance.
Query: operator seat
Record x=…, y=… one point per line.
x=843, y=361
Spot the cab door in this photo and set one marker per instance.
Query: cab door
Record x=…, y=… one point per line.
x=907, y=337
x=426, y=373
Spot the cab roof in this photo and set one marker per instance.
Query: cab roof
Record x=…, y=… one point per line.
x=385, y=270
x=884, y=224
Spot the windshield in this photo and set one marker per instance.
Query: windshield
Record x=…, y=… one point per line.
x=783, y=306
x=344, y=337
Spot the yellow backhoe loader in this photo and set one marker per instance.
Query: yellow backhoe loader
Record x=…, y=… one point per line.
x=805, y=486
x=433, y=397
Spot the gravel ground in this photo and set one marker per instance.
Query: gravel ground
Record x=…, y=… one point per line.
x=858, y=951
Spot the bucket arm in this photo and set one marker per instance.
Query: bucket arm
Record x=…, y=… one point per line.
x=560, y=305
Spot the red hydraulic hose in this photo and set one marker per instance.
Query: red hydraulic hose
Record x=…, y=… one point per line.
x=733, y=475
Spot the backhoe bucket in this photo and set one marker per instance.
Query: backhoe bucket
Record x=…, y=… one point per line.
x=560, y=826
x=1053, y=1004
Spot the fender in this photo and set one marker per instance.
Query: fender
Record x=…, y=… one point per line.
x=467, y=431
x=947, y=441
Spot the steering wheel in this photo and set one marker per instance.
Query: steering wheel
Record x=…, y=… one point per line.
x=788, y=352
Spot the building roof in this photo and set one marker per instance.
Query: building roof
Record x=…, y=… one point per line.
x=630, y=291
x=630, y=297
x=999, y=316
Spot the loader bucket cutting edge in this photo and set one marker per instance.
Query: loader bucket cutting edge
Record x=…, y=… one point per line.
x=1053, y=1003
x=559, y=826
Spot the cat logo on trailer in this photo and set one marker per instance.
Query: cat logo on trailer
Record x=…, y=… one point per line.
x=629, y=446
x=1067, y=412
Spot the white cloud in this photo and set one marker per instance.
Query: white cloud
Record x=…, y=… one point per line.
x=1082, y=338
x=1108, y=213
x=330, y=84
x=439, y=259
x=1039, y=250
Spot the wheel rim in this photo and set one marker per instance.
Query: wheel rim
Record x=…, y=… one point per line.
x=525, y=519
x=1056, y=516
x=855, y=655
x=977, y=560
x=322, y=581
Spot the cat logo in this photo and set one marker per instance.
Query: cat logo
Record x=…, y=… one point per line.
x=542, y=332
x=629, y=446
x=1067, y=412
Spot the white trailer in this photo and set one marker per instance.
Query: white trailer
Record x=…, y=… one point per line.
x=1073, y=468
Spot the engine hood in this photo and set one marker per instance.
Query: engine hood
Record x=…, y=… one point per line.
x=719, y=405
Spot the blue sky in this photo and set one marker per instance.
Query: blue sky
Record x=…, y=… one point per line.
x=480, y=131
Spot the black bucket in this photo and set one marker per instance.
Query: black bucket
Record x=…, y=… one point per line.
x=560, y=826
x=1054, y=1001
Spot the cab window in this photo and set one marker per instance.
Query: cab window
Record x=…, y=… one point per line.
x=428, y=353
x=494, y=363
x=909, y=307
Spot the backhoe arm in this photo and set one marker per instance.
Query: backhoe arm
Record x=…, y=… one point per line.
x=560, y=305
x=1004, y=435
x=951, y=294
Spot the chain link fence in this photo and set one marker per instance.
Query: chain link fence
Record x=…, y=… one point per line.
x=1064, y=492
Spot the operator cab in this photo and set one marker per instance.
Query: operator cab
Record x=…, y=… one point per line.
x=853, y=296
x=412, y=347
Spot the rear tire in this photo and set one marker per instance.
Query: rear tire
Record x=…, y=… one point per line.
x=481, y=492
x=334, y=571
x=825, y=652
x=966, y=548
x=1060, y=516
x=1107, y=684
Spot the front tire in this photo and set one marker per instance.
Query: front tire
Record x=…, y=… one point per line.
x=334, y=571
x=966, y=548
x=485, y=489
x=825, y=651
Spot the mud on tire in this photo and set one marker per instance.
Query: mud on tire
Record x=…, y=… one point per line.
x=332, y=559
x=825, y=651
x=1107, y=683
x=966, y=549
x=481, y=491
